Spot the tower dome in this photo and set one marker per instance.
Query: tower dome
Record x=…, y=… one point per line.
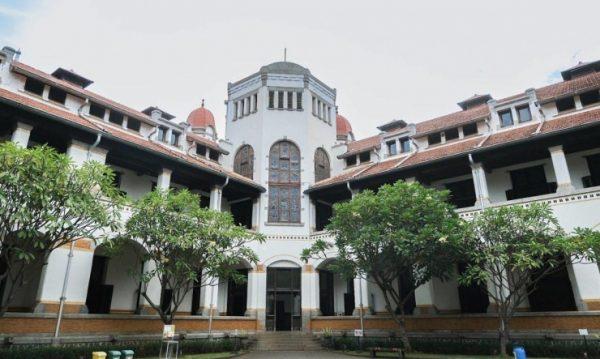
x=343, y=128
x=201, y=118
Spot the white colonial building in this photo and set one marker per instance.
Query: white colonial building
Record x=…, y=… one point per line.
x=286, y=156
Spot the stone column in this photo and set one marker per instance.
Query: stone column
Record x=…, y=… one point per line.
x=163, y=180
x=480, y=183
x=255, y=213
x=208, y=296
x=312, y=212
x=257, y=295
x=20, y=135
x=561, y=170
x=585, y=282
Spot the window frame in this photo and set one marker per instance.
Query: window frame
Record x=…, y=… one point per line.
x=454, y=132
x=404, y=141
x=594, y=93
x=518, y=109
x=564, y=100
x=469, y=125
x=322, y=165
x=392, y=147
x=60, y=97
x=504, y=112
x=435, y=135
x=243, y=162
x=32, y=84
x=285, y=167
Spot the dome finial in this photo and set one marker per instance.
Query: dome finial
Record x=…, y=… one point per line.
x=202, y=102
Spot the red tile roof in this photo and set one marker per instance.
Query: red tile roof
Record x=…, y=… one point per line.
x=453, y=119
x=561, y=89
x=118, y=133
x=463, y=147
x=24, y=69
x=365, y=144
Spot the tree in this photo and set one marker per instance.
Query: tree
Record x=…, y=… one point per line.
x=47, y=202
x=511, y=249
x=403, y=231
x=184, y=242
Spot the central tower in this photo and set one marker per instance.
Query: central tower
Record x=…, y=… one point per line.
x=281, y=124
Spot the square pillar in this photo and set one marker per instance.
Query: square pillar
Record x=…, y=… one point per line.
x=53, y=274
x=20, y=135
x=310, y=295
x=585, y=282
x=425, y=299
x=209, y=295
x=163, y=180
x=216, y=195
x=361, y=296
x=561, y=170
x=480, y=183
x=257, y=295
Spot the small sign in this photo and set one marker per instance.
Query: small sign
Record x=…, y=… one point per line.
x=583, y=332
x=168, y=331
x=358, y=332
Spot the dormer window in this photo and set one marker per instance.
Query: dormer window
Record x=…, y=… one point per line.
x=34, y=86
x=350, y=161
x=201, y=150
x=565, y=104
x=451, y=134
x=134, y=124
x=392, y=149
x=162, y=134
x=364, y=156
x=434, y=138
x=57, y=95
x=174, y=138
x=97, y=110
x=405, y=145
x=213, y=155
x=116, y=118
x=589, y=98
x=470, y=129
x=524, y=113
x=506, y=118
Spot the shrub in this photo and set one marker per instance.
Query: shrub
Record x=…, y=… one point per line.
x=467, y=346
x=141, y=349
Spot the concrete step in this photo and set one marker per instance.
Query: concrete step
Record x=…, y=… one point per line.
x=286, y=341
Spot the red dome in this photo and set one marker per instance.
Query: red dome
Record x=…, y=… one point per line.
x=201, y=118
x=343, y=126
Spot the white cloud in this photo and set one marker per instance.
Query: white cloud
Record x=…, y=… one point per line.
x=387, y=59
x=11, y=11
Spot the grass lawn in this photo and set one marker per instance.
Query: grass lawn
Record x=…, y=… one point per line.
x=427, y=356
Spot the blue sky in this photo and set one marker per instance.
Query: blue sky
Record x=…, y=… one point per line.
x=387, y=59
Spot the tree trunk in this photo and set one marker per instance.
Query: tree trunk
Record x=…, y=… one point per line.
x=504, y=336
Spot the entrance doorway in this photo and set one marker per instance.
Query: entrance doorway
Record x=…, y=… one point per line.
x=283, y=299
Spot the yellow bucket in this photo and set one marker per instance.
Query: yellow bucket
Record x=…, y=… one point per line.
x=98, y=355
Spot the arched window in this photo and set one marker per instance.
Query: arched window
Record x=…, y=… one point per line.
x=243, y=162
x=322, y=169
x=284, y=183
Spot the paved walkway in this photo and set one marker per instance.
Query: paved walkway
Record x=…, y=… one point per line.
x=295, y=355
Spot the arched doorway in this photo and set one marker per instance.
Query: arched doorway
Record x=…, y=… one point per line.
x=112, y=287
x=336, y=294
x=283, y=312
x=233, y=295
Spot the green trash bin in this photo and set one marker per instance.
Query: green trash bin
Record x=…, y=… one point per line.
x=127, y=354
x=114, y=354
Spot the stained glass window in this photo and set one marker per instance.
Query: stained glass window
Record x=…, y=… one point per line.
x=284, y=183
x=243, y=162
x=322, y=170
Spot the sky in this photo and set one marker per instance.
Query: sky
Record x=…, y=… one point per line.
x=410, y=60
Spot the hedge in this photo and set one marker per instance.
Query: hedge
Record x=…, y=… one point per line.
x=141, y=349
x=533, y=347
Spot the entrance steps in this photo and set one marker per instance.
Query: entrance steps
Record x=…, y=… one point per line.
x=286, y=341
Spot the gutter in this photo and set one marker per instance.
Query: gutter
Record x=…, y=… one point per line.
x=107, y=135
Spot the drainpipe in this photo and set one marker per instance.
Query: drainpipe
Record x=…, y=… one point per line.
x=63, y=295
x=539, y=108
x=94, y=145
